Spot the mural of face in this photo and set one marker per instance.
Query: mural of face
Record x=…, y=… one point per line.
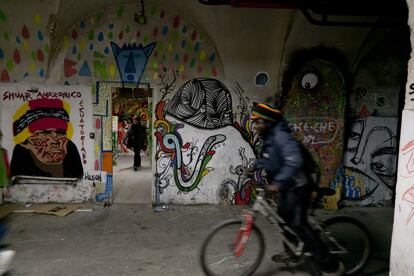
x=49, y=146
x=314, y=106
x=42, y=132
x=131, y=60
x=371, y=155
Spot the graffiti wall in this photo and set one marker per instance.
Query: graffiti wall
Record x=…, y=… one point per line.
x=201, y=146
x=370, y=161
x=404, y=195
x=314, y=105
x=368, y=174
x=48, y=129
x=111, y=48
x=104, y=50
x=377, y=82
x=24, y=47
x=110, y=45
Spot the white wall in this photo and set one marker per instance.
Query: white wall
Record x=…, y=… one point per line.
x=402, y=255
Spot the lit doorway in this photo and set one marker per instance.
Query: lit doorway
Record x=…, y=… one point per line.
x=131, y=185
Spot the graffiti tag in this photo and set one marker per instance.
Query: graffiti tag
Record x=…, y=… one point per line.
x=95, y=176
x=315, y=130
x=82, y=131
x=411, y=92
x=408, y=196
x=27, y=96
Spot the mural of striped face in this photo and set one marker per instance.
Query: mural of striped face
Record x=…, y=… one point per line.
x=49, y=145
x=42, y=132
x=131, y=60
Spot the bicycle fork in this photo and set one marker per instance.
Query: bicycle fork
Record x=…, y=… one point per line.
x=243, y=234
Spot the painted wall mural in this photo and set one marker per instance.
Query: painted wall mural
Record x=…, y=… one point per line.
x=171, y=144
x=132, y=60
x=203, y=103
x=377, y=82
x=242, y=191
x=370, y=162
x=198, y=144
x=106, y=47
x=48, y=129
x=102, y=107
x=314, y=105
x=42, y=133
x=24, y=43
x=109, y=47
x=405, y=188
x=140, y=52
x=368, y=174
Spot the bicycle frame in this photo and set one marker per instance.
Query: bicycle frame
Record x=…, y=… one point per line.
x=262, y=207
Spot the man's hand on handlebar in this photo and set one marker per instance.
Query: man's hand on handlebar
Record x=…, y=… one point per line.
x=272, y=187
x=250, y=172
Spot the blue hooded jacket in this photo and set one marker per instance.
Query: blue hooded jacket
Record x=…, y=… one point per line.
x=281, y=157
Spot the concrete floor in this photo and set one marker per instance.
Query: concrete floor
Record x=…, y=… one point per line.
x=131, y=186
x=130, y=239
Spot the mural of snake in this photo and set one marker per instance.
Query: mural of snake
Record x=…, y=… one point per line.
x=186, y=181
x=171, y=143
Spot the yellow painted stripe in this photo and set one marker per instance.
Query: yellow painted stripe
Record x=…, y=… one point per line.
x=69, y=131
x=22, y=136
x=21, y=111
x=66, y=106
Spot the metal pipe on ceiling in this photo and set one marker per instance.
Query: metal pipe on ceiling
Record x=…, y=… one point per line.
x=395, y=9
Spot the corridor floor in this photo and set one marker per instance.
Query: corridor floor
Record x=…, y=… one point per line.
x=131, y=239
x=131, y=186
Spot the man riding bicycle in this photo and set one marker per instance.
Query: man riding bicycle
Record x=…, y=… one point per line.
x=284, y=160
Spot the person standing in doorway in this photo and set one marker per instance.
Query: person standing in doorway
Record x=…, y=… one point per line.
x=136, y=140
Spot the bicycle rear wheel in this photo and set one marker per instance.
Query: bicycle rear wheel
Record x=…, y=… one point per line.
x=218, y=257
x=354, y=237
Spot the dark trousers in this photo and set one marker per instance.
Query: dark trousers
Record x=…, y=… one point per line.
x=137, y=157
x=293, y=208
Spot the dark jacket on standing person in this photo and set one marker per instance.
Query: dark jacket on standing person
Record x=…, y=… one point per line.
x=136, y=136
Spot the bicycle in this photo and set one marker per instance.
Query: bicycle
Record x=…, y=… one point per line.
x=245, y=249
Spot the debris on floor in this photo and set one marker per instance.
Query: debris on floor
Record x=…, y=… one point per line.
x=58, y=209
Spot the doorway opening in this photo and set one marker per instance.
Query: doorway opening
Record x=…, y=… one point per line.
x=131, y=105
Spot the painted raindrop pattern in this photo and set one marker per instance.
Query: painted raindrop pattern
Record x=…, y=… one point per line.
x=179, y=46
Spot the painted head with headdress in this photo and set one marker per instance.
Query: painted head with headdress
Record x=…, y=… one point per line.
x=43, y=127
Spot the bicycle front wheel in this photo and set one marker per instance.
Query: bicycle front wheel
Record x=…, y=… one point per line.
x=353, y=236
x=218, y=254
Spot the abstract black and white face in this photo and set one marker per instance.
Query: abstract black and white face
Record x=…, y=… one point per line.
x=371, y=155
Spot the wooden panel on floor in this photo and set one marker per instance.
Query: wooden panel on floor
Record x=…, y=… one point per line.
x=62, y=209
